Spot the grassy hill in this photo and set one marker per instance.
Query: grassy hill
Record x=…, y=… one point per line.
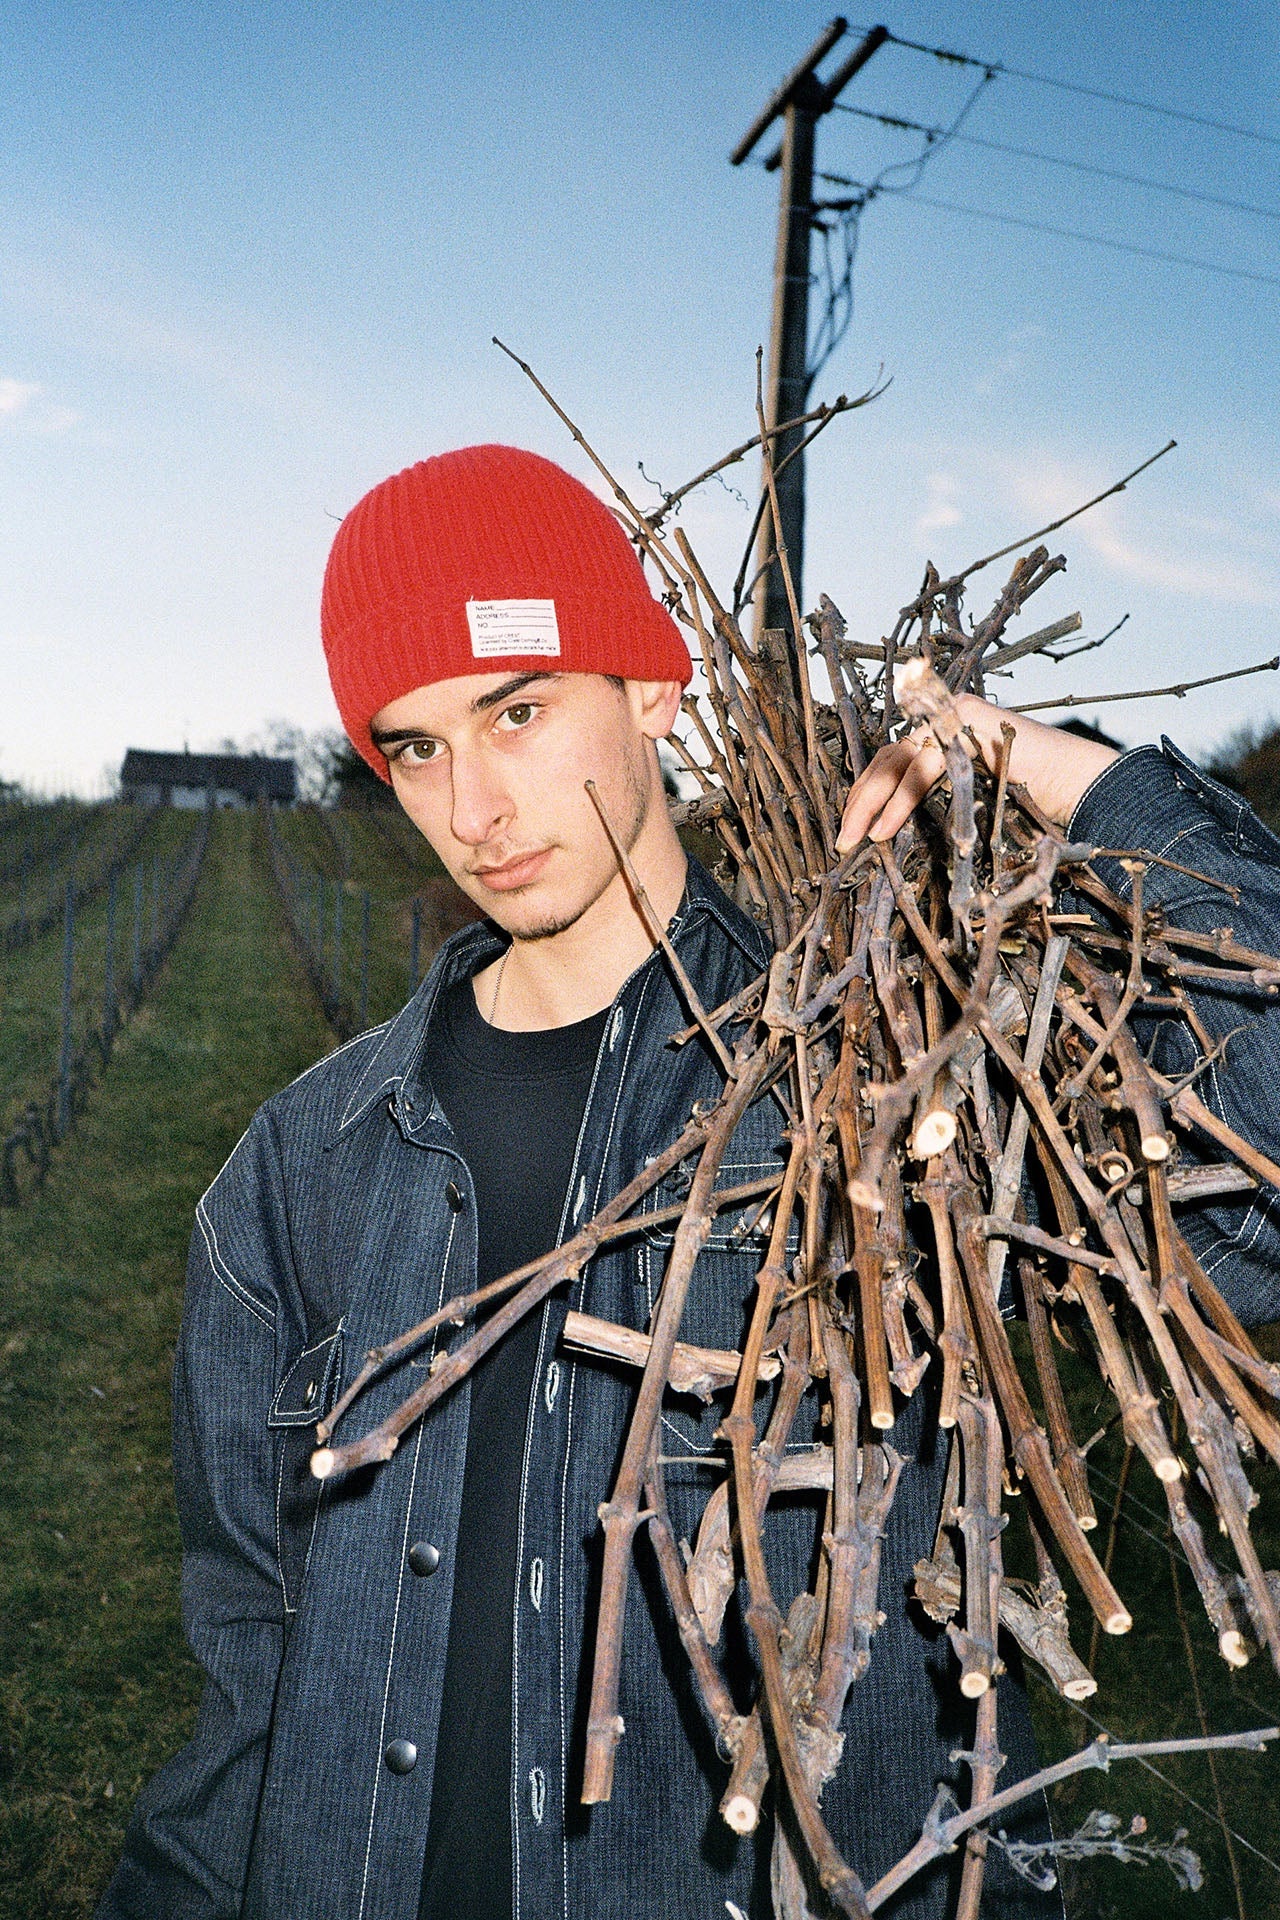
x=97, y=1686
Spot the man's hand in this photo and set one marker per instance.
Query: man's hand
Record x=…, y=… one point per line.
x=1055, y=768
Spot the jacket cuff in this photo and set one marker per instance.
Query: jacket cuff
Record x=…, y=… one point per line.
x=1131, y=803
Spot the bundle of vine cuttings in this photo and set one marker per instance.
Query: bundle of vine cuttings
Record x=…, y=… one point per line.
x=947, y=1021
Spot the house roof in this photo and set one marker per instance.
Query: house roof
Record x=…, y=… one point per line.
x=248, y=773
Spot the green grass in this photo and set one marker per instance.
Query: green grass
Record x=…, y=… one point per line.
x=96, y=1686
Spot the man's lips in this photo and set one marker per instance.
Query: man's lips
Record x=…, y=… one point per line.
x=519, y=872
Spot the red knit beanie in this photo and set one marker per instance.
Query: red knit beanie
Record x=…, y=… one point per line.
x=483, y=561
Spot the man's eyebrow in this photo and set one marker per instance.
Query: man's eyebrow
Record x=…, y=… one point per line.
x=483, y=701
x=396, y=736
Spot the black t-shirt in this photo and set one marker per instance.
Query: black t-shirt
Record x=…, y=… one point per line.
x=515, y=1102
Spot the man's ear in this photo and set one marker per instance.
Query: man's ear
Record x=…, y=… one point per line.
x=655, y=705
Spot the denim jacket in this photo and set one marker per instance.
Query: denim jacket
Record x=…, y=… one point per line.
x=320, y=1611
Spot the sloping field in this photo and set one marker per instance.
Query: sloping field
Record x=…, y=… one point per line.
x=96, y=1686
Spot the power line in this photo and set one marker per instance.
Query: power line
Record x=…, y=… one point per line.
x=1097, y=240
x=1089, y=93
x=838, y=303
x=1175, y=1788
x=935, y=135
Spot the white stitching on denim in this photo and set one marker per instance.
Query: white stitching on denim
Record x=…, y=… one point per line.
x=357, y=1041
x=395, y=1622
x=284, y=1445
x=444, y=1268
x=457, y=943
x=1234, y=1243
x=226, y=1163
x=560, y=1631
x=550, y=1391
x=513, y=1784
x=330, y=1340
x=223, y=1274
x=284, y=1590
x=328, y=1058
x=615, y=1028
x=693, y=1452
x=391, y=1657
x=355, y=1099
x=315, y=1517
x=535, y=1584
x=315, y=1523
x=1124, y=886
x=568, y=1418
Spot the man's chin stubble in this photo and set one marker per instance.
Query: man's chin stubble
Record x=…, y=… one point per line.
x=632, y=829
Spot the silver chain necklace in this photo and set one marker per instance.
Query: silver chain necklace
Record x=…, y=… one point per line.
x=497, y=986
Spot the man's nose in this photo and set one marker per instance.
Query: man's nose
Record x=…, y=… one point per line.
x=481, y=804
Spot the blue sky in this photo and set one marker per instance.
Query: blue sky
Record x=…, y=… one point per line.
x=251, y=259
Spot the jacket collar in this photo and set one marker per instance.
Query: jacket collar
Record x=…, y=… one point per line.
x=394, y=1066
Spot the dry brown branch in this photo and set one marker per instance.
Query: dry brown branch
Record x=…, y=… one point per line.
x=1178, y=691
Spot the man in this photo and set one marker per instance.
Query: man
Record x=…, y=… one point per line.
x=393, y=1722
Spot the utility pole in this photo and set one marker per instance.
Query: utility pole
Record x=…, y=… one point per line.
x=800, y=103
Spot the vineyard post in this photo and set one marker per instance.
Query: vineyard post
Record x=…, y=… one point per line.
x=137, y=930
x=364, y=961
x=64, y=1049
x=415, y=945
x=22, y=887
x=109, y=967
x=338, y=891
x=155, y=901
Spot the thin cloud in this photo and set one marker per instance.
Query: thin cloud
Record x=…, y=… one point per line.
x=24, y=401
x=56, y=419
x=133, y=315
x=1048, y=489
x=15, y=395
x=941, y=510
x=1203, y=579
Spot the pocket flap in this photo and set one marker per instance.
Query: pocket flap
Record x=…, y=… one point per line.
x=743, y=1228
x=310, y=1387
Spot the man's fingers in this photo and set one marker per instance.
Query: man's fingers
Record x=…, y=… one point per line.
x=1055, y=767
x=926, y=769
x=871, y=791
x=885, y=794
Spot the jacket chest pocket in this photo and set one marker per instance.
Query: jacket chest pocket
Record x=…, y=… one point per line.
x=735, y=1247
x=304, y=1396
x=717, y=1314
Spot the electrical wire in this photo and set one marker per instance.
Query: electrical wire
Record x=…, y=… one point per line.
x=1088, y=93
x=939, y=138
x=1175, y=1788
x=837, y=314
x=1162, y=1542
x=1098, y=240
x=1054, y=160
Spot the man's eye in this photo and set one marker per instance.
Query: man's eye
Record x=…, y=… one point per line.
x=415, y=753
x=520, y=714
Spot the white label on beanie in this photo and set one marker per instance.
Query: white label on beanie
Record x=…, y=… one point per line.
x=500, y=627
